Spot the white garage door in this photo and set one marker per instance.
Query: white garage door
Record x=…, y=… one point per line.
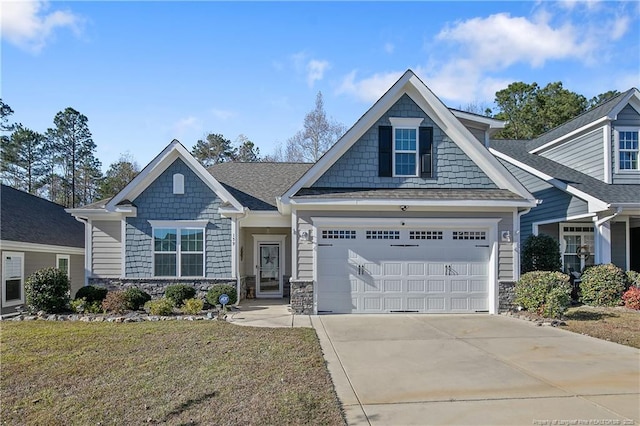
x=403, y=270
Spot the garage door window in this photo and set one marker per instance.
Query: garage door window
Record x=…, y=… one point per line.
x=382, y=235
x=469, y=235
x=425, y=235
x=338, y=234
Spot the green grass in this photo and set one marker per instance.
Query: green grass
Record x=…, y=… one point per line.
x=169, y=372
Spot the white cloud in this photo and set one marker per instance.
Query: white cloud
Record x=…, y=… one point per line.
x=29, y=25
x=368, y=89
x=315, y=70
x=389, y=47
x=185, y=126
x=222, y=114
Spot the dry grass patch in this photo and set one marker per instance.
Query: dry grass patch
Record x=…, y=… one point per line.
x=619, y=325
x=170, y=372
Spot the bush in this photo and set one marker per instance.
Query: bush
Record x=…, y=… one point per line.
x=162, y=306
x=115, y=302
x=216, y=291
x=136, y=298
x=543, y=292
x=92, y=293
x=81, y=306
x=602, y=285
x=192, y=306
x=541, y=253
x=178, y=293
x=631, y=298
x=48, y=290
x=633, y=279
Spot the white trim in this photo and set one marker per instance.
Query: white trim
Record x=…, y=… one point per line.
x=415, y=152
x=15, y=302
x=558, y=220
x=123, y=246
x=569, y=135
x=515, y=244
x=594, y=233
x=594, y=203
x=234, y=248
x=68, y=258
x=406, y=122
x=179, y=226
x=492, y=123
x=179, y=223
x=616, y=149
x=88, y=251
x=606, y=137
x=411, y=85
x=158, y=165
x=261, y=219
x=627, y=243
x=41, y=248
x=279, y=239
x=294, y=244
x=359, y=222
x=318, y=202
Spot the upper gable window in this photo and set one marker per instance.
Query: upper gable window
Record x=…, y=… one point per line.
x=405, y=148
x=627, y=149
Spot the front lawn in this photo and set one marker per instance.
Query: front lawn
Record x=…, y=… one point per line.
x=168, y=372
x=618, y=325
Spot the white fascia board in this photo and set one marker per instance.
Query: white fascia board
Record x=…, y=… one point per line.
x=159, y=164
x=341, y=202
x=595, y=204
x=266, y=219
x=632, y=98
x=489, y=122
x=41, y=248
x=180, y=223
x=594, y=125
x=400, y=222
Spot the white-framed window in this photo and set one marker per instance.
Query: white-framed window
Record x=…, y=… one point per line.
x=12, y=278
x=178, y=251
x=627, y=149
x=577, y=246
x=62, y=262
x=405, y=144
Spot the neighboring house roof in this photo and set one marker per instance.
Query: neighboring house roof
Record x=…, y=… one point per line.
x=609, y=194
x=257, y=185
x=607, y=109
x=30, y=219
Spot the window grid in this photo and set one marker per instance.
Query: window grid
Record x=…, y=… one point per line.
x=628, y=150
x=469, y=235
x=425, y=235
x=405, y=151
x=382, y=235
x=338, y=234
x=183, y=256
x=577, y=229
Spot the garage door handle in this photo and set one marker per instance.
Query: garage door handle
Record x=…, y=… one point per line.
x=482, y=245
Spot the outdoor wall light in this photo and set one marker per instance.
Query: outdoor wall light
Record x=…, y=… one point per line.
x=305, y=236
x=403, y=208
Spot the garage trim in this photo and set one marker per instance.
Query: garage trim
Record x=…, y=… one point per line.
x=491, y=224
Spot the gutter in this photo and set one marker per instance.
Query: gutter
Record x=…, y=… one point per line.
x=237, y=220
x=606, y=219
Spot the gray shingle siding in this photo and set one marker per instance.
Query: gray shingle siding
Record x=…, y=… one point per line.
x=585, y=154
x=358, y=167
x=628, y=117
x=556, y=204
x=158, y=202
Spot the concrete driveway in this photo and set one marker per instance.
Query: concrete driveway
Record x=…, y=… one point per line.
x=476, y=370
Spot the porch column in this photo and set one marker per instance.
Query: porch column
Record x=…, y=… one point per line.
x=602, y=242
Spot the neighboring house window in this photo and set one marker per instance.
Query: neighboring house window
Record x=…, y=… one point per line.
x=577, y=245
x=178, y=252
x=62, y=263
x=405, y=149
x=12, y=278
x=628, y=149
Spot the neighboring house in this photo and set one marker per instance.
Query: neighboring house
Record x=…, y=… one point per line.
x=586, y=174
x=36, y=234
x=407, y=212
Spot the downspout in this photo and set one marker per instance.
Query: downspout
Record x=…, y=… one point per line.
x=237, y=220
x=606, y=219
x=516, y=266
x=87, y=248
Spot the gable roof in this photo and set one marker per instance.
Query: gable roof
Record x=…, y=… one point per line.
x=258, y=185
x=583, y=186
x=158, y=165
x=30, y=219
x=444, y=118
x=607, y=110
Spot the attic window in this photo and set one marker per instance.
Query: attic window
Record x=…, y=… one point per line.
x=405, y=148
x=178, y=184
x=628, y=149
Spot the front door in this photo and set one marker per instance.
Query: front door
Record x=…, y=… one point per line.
x=269, y=269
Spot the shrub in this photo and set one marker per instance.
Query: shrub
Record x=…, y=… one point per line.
x=92, y=293
x=192, y=306
x=115, y=302
x=162, y=306
x=541, y=253
x=633, y=279
x=602, y=285
x=216, y=291
x=177, y=293
x=543, y=292
x=81, y=306
x=136, y=298
x=631, y=298
x=48, y=290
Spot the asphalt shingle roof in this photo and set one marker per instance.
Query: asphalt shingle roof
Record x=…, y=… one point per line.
x=408, y=194
x=256, y=185
x=608, y=193
x=30, y=219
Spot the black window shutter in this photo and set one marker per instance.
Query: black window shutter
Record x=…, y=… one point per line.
x=426, y=152
x=385, y=151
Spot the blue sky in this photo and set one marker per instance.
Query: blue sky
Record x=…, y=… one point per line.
x=145, y=73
